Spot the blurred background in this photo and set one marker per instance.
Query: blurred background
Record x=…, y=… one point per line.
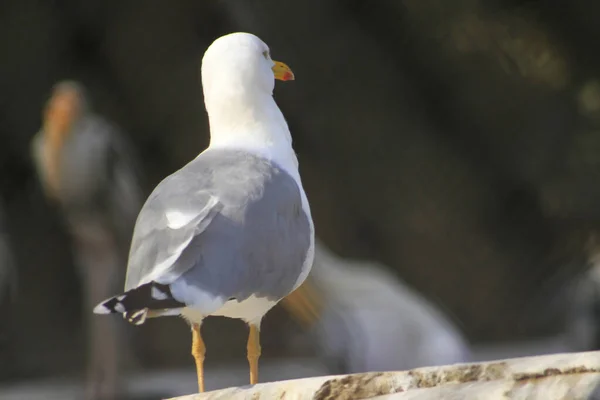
x=452, y=146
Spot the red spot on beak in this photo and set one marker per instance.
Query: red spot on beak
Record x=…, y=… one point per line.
x=288, y=76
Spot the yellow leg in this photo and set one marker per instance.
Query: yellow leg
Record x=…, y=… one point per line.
x=198, y=351
x=253, y=352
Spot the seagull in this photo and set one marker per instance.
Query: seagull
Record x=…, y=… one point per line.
x=86, y=165
x=87, y=168
x=363, y=319
x=230, y=233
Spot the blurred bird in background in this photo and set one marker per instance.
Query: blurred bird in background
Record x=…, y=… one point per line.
x=88, y=169
x=364, y=319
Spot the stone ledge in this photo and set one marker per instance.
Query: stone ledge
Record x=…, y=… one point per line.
x=558, y=376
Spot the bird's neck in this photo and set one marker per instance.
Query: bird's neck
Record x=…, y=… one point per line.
x=253, y=124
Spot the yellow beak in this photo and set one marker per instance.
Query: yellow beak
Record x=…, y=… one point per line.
x=282, y=71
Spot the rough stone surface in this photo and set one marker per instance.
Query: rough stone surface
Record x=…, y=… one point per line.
x=559, y=376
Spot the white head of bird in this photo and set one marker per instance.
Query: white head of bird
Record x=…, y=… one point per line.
x=238, y=77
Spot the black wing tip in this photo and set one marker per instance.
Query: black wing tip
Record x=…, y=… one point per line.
x=113, y=305
x=102, y=309
x=136, y=303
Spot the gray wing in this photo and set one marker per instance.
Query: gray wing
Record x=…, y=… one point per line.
x=171, y=217
x=227, y=225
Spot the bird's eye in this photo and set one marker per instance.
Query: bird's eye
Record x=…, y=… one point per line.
x=266, y=54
